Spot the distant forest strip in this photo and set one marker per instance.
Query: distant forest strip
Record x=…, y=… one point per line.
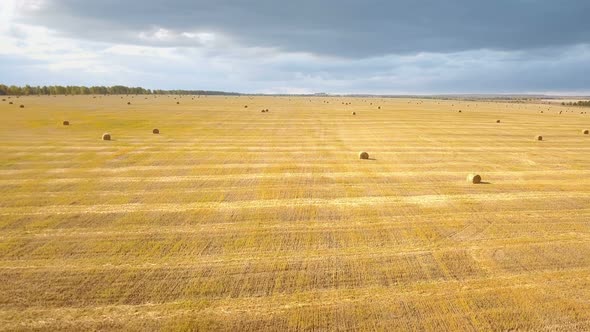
x=28, y=90
x=578, y=103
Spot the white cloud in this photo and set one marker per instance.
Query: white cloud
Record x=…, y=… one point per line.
x=40, y=44
x=142, y=51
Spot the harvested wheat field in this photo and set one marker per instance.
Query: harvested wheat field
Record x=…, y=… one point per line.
x=233, y=220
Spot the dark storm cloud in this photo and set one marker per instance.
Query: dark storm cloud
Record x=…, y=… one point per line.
x=337, y=46
x=344, y=28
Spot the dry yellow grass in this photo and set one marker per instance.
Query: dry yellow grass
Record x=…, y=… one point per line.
x=232, y=221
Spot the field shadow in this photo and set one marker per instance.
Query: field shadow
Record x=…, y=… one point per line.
x=484, y=182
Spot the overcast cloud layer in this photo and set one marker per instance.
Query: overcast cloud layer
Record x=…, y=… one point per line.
x=273, y=46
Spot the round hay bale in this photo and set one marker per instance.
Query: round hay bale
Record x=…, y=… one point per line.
x=177, y=103
x=460, y=111
x=10, y=103
x=586, y=132
x=539, y=138
x=353, y=113
x=245, y=106
x=128, y=103
x=156, y=131
x=22, y=106
x=474, y=178
x=106, y=137
x=363, y=155
x=66, y=123
x=497, y=121
x=379, y=107
x=3, y=99
x=262, y=111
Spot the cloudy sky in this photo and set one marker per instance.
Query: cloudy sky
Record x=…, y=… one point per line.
x=303, y=46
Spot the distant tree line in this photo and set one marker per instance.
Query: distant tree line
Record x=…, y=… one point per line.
x=583, y=103
x=28, y=90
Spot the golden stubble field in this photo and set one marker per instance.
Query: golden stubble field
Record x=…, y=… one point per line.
x=233, y=219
